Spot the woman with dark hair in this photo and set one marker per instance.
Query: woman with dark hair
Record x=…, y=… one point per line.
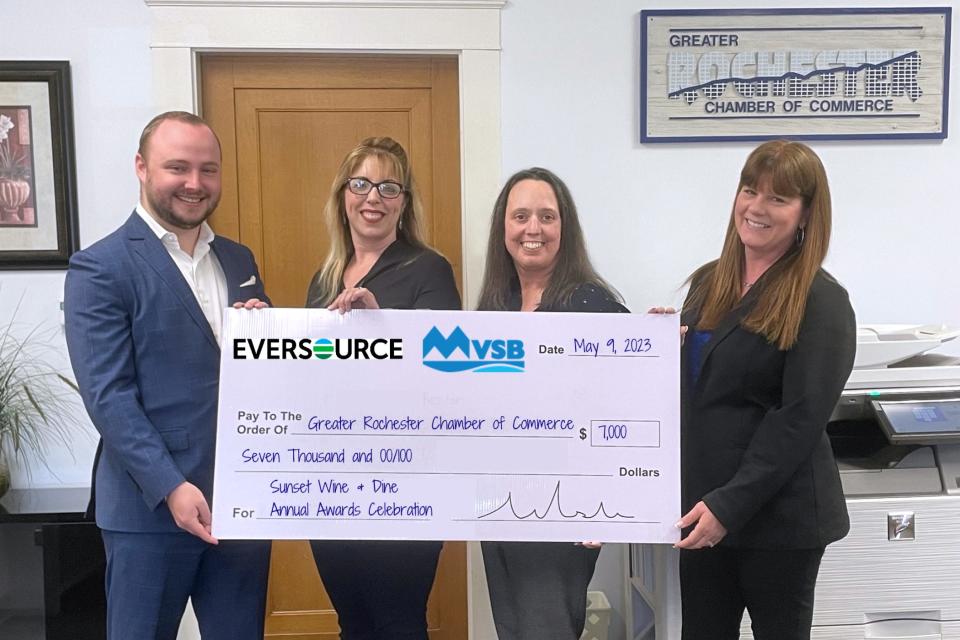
x=531, y=265
x=771, y=343
x=378, y=259
x=537, y=261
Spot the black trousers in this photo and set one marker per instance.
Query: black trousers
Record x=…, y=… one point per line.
x=379, y=588
x=538, y=590
x=775, y=586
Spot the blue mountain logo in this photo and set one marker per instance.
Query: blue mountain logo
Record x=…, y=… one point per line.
x=457, y=352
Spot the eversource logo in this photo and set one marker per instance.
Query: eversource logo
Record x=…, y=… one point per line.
x=321, y=348
x=457, y=352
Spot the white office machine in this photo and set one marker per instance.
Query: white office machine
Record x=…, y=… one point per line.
x=896, y=435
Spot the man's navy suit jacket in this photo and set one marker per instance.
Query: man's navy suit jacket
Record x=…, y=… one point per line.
x=148, y=367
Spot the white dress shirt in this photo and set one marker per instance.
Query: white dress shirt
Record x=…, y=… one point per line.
x=202, y=270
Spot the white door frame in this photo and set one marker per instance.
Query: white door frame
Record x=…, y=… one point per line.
x=470, y=29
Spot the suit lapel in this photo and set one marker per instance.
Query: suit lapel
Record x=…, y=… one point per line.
x=230, y=273
x=151, y=250
x=730, y=322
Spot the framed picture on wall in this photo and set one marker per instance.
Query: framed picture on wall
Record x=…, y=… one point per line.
x=38, y=194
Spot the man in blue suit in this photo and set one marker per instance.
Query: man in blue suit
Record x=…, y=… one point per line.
x=143, y=317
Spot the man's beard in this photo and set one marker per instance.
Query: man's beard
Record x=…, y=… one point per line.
x=165, y=211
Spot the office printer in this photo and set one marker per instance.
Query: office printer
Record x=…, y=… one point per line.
x=896, y=436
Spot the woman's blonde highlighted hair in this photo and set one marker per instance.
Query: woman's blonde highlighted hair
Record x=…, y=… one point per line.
x=409, y=228
x=793, y=170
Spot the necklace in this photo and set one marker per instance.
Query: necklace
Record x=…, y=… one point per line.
x=747, y=285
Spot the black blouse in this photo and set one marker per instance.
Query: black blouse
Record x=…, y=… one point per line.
x=404, y=277
x=587, y=298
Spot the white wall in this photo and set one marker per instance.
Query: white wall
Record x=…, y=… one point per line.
x=107, y=45
x=654, y=212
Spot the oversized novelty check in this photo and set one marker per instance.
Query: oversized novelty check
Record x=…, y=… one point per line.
x=448, y=425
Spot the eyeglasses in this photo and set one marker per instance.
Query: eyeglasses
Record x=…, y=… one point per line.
x=388, y=188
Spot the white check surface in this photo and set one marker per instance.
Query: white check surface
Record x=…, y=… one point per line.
x=579, y=441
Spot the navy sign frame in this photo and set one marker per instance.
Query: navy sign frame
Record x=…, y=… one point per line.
x=828, y=74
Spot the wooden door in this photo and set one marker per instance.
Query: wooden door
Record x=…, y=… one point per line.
x=285, y=123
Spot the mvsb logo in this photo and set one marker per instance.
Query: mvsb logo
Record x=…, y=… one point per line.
x=457, y=352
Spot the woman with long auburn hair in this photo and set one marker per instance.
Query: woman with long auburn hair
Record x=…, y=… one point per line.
x=378, y=259
x=770, y=344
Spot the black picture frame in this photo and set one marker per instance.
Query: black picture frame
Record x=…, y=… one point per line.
x=44, y=234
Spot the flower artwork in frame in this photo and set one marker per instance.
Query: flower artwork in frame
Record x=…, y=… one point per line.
x=38, y=211
x=17, y=191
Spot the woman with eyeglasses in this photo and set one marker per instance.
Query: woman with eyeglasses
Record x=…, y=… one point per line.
x=378, y=259
x=537, y=261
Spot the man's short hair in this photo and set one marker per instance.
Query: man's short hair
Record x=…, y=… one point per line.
x=179, y=116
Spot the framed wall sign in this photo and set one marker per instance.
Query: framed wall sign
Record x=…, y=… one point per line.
x=757, y=74
x=38, y=197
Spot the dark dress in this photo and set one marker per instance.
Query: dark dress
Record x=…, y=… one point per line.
x=538, y=590
x=755, y=451
x=378, y=587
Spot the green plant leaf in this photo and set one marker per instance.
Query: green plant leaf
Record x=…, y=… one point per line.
x=38, y=408
x=33, y=401
x=70, y=383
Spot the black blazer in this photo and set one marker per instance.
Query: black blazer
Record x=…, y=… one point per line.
x=754, y=443
x=404, y=277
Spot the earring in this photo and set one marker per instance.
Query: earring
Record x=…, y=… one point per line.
x=400, y=224
x=800, y=236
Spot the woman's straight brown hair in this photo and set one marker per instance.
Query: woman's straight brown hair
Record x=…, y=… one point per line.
x=793, y=170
